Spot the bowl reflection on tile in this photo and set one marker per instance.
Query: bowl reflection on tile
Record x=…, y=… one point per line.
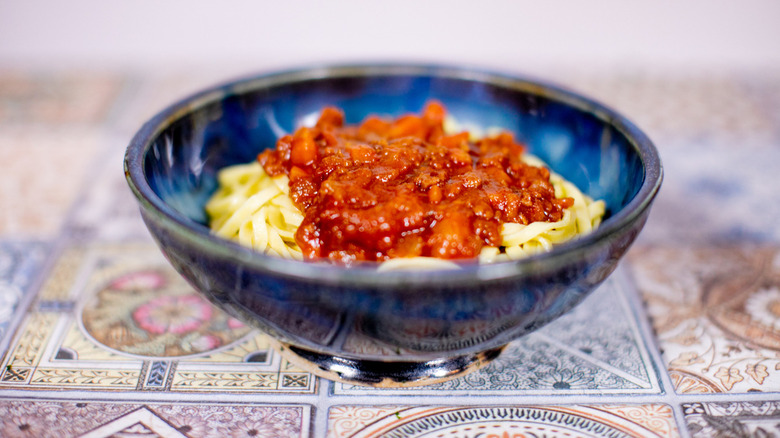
x=414, y=327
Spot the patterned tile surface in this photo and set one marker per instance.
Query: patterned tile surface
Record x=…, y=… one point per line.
x=501, y=421
x=737, y=419
x=19, y=264
x=50, y=134
x=683, y=340
x=107, y=210
x=42, y=173
x=595, y=349
x=716, y=312
x=119, y=318
x=690, y=207
x=34, y=418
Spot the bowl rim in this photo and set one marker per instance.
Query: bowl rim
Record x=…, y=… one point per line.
x=367, y=276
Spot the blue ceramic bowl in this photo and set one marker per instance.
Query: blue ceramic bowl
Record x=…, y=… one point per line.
x=388, y=328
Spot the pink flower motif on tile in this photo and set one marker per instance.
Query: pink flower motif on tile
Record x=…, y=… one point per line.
x=233, y=323
x=152, y=312
x=173, y=314
x=144, y=280
x=206, y=342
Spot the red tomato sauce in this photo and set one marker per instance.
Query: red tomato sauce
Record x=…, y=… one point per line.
x=403, y=188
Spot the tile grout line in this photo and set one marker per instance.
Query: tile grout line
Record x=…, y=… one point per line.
x=322, y=409
x=587, y=358
x=642, y=319
x=55, y=249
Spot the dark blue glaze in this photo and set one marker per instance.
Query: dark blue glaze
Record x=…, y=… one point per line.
x=172, y=162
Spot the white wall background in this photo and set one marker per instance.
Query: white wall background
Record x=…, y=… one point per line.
x=148, y=34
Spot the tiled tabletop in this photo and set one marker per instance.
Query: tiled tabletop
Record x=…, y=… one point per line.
x=683, y=340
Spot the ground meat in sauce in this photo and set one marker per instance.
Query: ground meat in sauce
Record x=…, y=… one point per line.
x=402, y=188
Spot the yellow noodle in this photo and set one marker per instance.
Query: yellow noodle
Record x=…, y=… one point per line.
x=416, y=263
x=255, y=209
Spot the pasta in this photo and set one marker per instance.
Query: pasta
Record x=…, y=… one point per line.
x=520, y=240
x=255, y=209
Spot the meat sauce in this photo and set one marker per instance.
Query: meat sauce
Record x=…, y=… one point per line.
x=403, y=188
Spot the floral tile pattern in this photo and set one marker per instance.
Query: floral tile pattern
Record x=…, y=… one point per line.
x=716, y=312
x=501, y=421
x=594, y=349
x=120, y=318
x=34, y=418
x=737, y=419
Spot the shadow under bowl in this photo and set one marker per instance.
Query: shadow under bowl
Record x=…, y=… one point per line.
x=388, y=328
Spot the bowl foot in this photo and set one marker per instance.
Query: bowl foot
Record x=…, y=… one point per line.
x=385, y=374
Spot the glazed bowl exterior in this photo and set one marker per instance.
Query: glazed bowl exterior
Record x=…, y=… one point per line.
x=396, y=318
